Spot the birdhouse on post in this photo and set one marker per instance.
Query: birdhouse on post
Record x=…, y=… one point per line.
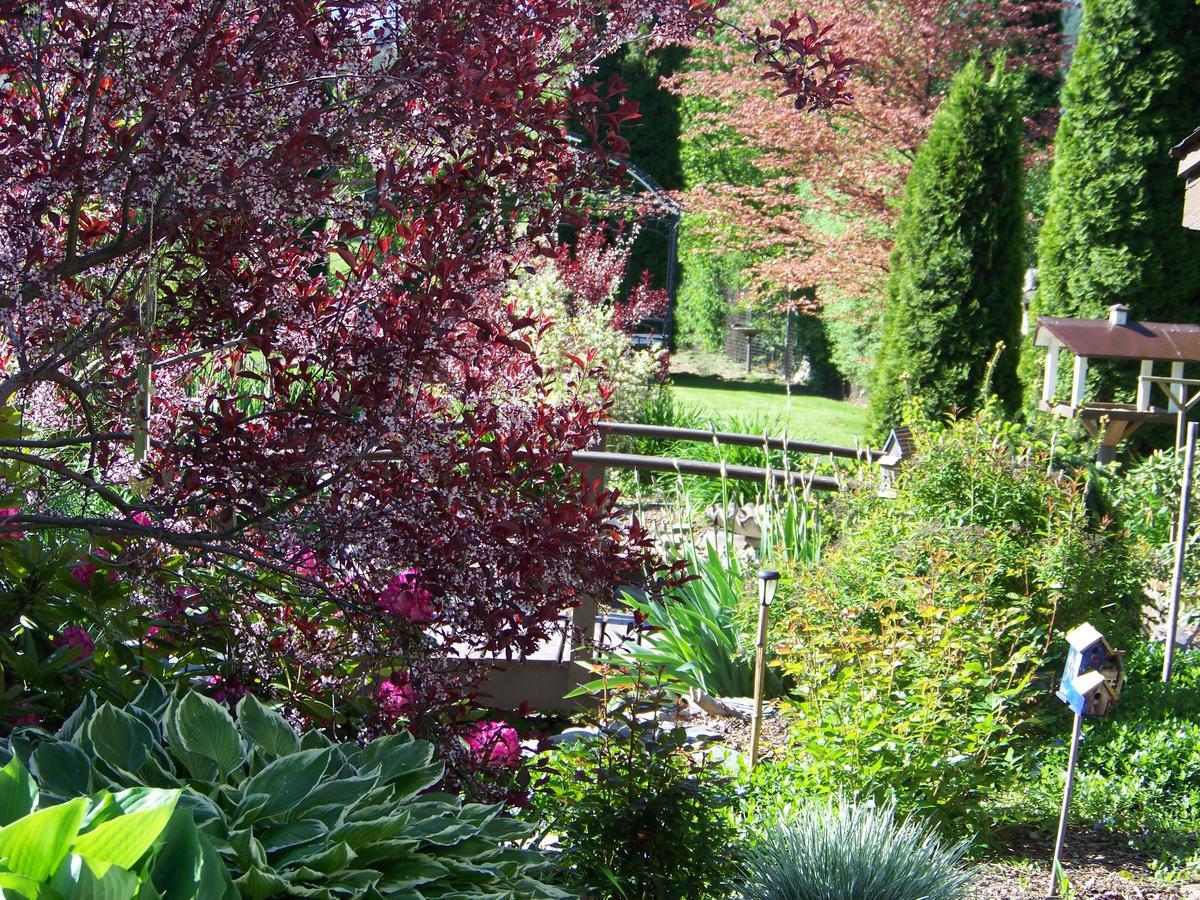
x=898, y=447
x=1094, y=673
x=1188, y=154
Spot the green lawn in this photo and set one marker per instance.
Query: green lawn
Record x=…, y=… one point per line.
x=805, y=417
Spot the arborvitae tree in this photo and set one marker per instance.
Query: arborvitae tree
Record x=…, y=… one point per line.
x=1112, y=231
x=955, y=286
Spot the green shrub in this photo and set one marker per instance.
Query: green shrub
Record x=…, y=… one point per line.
x=635, y=815
x=133, y=843
x=923, y=645
x=852, y=851
x=290, y=815
x=954, y=293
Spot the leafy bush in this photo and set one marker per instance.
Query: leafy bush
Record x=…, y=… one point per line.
x=290, y=815
x=114, y=846
x=634, y=814
x=852, y=851
x=924, y=640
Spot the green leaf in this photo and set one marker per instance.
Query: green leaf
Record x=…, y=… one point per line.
x=122, y=841
x=266, y=728
x=295, y=834
x=259, y=885
x=78, y=879
x=62, y=769
x=152, y=698
x=286, y=782
x=187, y=867
x=119, y=739
x=18, y=792
x=35, y=845
x=203, y=737
x=19, y=886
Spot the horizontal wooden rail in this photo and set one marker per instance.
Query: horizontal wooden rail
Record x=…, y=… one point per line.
x=664, y=433
x=601, y=461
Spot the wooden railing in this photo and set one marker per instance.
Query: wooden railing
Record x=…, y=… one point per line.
x=600, y=460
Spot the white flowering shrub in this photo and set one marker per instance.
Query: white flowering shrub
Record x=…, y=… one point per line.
x=582, y=351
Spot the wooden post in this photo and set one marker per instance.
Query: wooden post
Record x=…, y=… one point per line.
x=1079, y=382
x=760, y=666
x=1181, y=535
x=1050, y=379
x=1056, y=866
x=1145, y=386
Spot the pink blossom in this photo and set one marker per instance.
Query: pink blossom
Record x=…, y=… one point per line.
x=227, y=691
x=305, y=564
x=142, y=518
x=84, y=572
x=74, y=636
x=395, y=696
x=494, y=744
x=14, y=534
x=404, y=596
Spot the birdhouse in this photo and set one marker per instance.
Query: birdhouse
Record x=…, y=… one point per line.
x=897, y=448
x=1188, y=154
x=1094, y=673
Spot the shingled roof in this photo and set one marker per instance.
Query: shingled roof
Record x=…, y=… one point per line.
x=1101, y=339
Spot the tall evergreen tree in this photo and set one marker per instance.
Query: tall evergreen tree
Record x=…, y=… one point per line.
x=1112, y=230
x=955, y=285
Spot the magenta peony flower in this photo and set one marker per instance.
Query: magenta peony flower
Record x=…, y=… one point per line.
x=404, y=596
x=84, y=571
x=74, y=636
x=396, y=696
x=141, y=517
x=494, y=744
x=12, y=534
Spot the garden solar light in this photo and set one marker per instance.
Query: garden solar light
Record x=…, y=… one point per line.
x=768, y=582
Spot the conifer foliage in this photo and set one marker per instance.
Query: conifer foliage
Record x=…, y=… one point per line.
x=954, y=291
x=1112, y=231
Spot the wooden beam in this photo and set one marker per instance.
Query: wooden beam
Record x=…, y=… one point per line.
x=1144, y=386
x=1050, y=379
x=1178, y=391
x=1079, y=382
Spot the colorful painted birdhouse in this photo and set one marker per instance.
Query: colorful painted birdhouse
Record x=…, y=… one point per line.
x=1094, y=674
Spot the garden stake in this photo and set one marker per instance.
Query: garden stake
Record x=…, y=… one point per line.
x=768, y=580
x=1091, y=685
x=1181, y=532
x=1056, y=866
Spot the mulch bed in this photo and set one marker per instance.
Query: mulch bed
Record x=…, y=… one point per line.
x=1100, y=866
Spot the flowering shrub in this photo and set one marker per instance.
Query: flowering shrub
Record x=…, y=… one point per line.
x=494, y=744
x=586, y=350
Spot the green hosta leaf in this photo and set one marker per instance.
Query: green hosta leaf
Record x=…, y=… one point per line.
x=18, y=792
x=122, y=841
x=206, y=729
x=78, y=718
x=187, y=867
x=248, y=849
x=257, y=884
x=443, y=832
x=34, y=846
x=295, y=834
x=286, y=783
x=359, y=834
x=395, y=755
x=152, y=698
x=200, y=766
x=119, y=739
x=506, y=830
x=332, y=859
x=19, y=886
x=266, y=728
x=409, y=871
x=62, y=769
x=79, y=879
x=315, y=740
x=344, y=793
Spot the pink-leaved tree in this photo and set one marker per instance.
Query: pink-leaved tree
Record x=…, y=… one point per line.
x=252, y=268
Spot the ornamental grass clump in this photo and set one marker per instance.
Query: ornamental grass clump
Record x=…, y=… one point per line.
x=853, y=851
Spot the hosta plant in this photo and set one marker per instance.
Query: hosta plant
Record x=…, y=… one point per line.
x=133, y=843
x=291, y=815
